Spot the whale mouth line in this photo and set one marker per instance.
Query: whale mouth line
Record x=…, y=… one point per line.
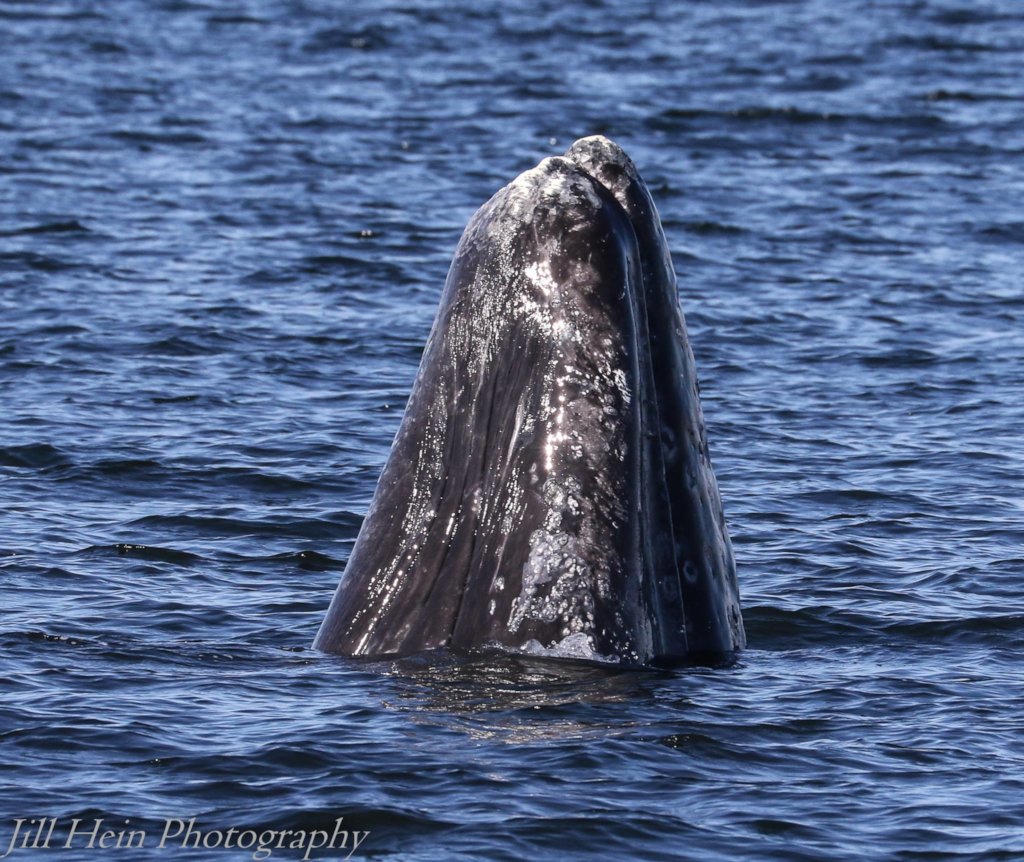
x=549, y=491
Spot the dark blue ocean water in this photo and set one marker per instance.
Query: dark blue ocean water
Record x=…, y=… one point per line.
x=224, y=228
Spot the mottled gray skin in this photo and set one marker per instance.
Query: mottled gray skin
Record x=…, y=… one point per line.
x=549, y=490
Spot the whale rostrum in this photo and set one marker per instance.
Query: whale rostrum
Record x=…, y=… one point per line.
x=549, y=490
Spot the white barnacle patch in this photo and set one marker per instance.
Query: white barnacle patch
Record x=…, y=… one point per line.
x=545, y=552
x=539, y=274
x=552, y=579
x=556, y=578
x=539, y=315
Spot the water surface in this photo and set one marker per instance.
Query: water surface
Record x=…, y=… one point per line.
x=224, y=228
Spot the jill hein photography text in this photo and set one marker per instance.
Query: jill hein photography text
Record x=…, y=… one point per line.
x=175, y=834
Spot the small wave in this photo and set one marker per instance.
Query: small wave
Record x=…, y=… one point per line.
x=325, y=263
x=38, y=261
x=175, y=399
x=691, y=743
x=148, y=552
x=902, y=357
x=960, y=16
x=58, y=227
x=13, y=638
x=775, y=628
x=997, y=630
x=28, y=13
x=148, y=139
x=329, y=39
x=853, y=498
x=1012, y=232
x=233, y=20
x=934, y=42
x=311, y=561
x=943, y=95
x=36, y=456
x=143, y=468
x=706, y=228
x=105, y=46
x=793, y=115
x=309, y=528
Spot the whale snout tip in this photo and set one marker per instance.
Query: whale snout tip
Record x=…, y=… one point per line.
x=595, y=140
x=597, y=150
x=598, y=144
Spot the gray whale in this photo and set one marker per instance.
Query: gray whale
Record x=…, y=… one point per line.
x=549, y=490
